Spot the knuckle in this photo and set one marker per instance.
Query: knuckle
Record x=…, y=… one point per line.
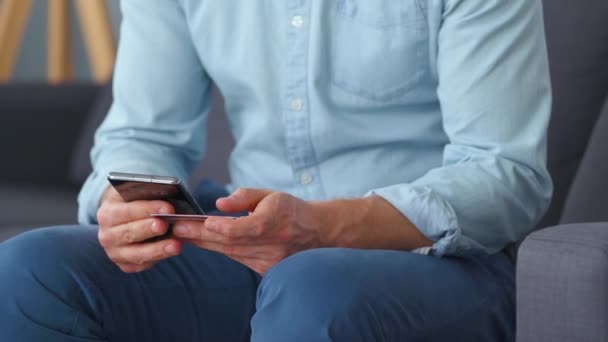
x=105, y=239
x=166, y=207
x=159, y=253
x=261, y=225
x=140, y=268
x=244, y=192
x=257, y=230
x=128, y=256
x=283, y=197
x=127, y=268
x=228, y=249
x=226, y=236
x=230, y=234
x=128, y=236
x=287, y=235
x=115, y=257
x=103, y=215
x=138, y=260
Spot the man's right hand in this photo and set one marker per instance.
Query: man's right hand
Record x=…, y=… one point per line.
x=123, y=226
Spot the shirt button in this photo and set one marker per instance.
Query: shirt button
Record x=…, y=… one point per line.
x=297, y=21
x=296, y=105
x=306, y=178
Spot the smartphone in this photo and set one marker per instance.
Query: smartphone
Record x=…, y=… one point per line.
x=134, y=187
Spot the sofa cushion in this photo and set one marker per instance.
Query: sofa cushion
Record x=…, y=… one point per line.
x=577, y=36
x=40, y=125
x=80, y=163
x=561, y=284
x=588, y=197
x=28, y=206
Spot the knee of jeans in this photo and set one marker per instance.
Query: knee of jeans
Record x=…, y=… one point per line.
x=42, y=283
x=315, y=281
x=312, y=296
x=44, y=256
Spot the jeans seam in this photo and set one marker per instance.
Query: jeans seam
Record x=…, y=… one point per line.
x=75, y=323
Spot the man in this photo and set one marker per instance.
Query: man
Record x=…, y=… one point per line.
x=387, y=152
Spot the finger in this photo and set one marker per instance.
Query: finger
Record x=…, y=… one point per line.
x=145, y=253
x=111, y=214
x=241, y=251
x=188, y=230
x=132, y=232
x=222, y=229
x=243, y=199
x=132, y=268
x=256, y=258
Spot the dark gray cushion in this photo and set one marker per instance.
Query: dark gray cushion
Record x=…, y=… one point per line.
x=219, y=144
x=562, y=284
x=80, y=163
x=588, y=197
x=577, y=38
x=25, y=207
x=39, y=125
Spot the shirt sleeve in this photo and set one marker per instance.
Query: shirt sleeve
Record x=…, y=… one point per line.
x=156, y=124
x=495, y=96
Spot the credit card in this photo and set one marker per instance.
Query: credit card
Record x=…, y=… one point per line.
x=182, y=217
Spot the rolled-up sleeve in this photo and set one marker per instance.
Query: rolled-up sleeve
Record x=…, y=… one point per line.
x=495, y=96
x=157, y=122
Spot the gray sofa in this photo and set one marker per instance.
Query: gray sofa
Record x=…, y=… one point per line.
x=562, y=271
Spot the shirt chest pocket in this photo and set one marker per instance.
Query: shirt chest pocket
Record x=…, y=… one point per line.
x=377, y=47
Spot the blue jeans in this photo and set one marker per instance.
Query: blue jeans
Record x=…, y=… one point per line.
x=57, y=284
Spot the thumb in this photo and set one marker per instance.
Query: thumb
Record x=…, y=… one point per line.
x=243, y=199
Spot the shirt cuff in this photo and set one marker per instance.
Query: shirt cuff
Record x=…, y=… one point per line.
x=432, y=215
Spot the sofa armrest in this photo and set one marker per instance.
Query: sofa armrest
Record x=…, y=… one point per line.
x=562, y=284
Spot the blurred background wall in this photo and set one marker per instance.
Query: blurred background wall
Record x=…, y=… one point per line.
x=46, y=129
x=31, y=65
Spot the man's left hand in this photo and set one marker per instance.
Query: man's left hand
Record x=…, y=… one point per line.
x=278, y=225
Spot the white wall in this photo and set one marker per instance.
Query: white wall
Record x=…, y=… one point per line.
x=31, y=65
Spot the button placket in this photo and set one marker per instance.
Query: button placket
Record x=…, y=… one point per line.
x=306, y=178
x=297, y=21
x=296, y=104
x=296, y=115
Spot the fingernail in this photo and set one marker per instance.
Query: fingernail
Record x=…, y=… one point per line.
x=170, y=249
x=156, y=228
x=181, y=230
x=162, y=210
x=212, y=226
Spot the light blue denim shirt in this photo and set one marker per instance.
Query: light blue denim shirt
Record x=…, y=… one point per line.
x=438, y=106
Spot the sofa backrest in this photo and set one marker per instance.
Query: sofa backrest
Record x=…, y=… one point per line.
x=577, y=41
x=39, y=125
x=588, y=197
